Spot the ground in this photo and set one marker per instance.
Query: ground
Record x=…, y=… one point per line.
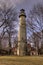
x=26, y=60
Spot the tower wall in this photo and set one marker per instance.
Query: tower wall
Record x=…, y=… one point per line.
x=22, y=39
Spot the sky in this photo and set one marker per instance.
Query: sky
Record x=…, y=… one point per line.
x=19, y=4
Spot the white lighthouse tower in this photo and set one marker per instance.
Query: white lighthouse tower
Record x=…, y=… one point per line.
x=22, y=39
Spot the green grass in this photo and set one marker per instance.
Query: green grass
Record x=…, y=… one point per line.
x=17, y=60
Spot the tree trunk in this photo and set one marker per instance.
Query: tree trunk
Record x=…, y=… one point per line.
x=9, y=44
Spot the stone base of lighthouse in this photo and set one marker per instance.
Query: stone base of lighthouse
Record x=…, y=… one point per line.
x=21, y=50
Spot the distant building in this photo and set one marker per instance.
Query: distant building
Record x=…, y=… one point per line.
x=31, y=50
x=14, y=51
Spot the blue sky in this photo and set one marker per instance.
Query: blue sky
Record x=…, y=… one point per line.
x=27, y=4
x=19, y=4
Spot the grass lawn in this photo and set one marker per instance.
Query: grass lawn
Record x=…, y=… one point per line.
x=16, y=60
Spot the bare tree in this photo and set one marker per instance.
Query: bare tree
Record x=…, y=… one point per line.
x=35, y=21
x=8, y=20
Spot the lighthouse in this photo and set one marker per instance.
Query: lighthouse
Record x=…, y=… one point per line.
x=22, y=38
